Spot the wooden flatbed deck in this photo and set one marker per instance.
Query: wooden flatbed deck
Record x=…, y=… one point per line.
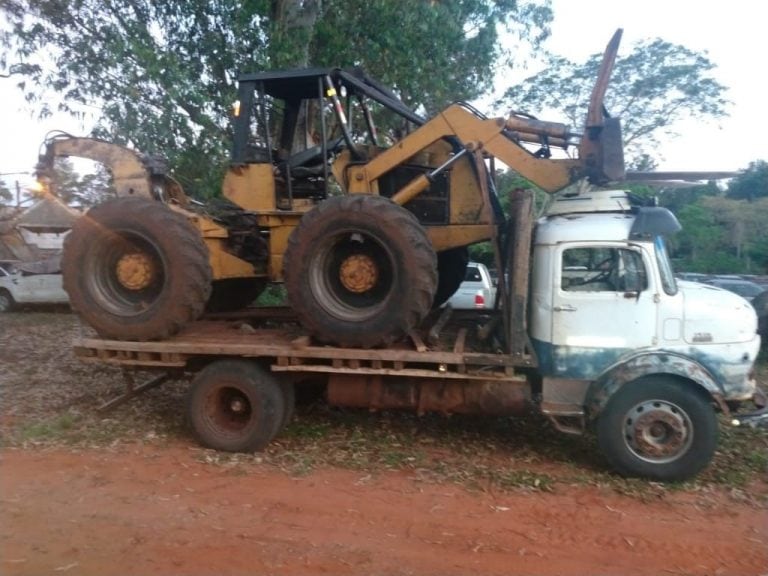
x=288, y=349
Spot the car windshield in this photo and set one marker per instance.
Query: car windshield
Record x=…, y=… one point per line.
x=665, y=266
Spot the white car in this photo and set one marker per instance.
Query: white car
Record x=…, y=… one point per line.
x=476, y=291
x=20, y=284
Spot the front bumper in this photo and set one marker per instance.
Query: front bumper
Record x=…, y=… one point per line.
x=757, y=418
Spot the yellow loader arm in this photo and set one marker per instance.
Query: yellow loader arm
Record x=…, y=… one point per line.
x=599, y=157
x=133, y=173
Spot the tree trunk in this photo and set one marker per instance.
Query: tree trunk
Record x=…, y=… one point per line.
x=293, y=24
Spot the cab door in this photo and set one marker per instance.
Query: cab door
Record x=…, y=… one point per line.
x=29, y=287
x=603, y=306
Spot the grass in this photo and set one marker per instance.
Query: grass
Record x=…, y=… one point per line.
x=56, y=428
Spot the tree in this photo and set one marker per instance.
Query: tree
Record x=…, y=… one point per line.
x=700, y=246
x=744, y=223
x=164, y=72
x=83, y=191
x=652, y=87
x=751, y=184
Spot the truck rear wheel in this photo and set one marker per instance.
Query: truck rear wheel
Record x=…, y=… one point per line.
x=236, y=406
x=136, y=270
x=360, y=271
x=658, y=428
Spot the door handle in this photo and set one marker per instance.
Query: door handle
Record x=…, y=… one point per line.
x=565, y=308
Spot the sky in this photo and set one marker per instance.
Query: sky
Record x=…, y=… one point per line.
x=733, y=35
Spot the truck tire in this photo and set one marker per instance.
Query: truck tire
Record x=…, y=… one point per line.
x=658, y=428
x=7, y=302
x=136, y=270
x=235, y=406
x=451, y=269
x=234, y=293
x=360, y=271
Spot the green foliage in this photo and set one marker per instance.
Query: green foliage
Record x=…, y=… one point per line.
x=506, y=182
x=273, y=295
x=752, y=183
x=720, y=234
x=652, y=87
x=432, y=53
x=85, y=191
x=163, y=73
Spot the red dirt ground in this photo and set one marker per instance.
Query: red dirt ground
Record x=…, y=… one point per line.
x=149, y=511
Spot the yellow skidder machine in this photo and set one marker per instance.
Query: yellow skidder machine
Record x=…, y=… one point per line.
x=368, y=232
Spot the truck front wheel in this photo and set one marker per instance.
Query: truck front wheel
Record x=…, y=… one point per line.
x=658, y=428
x=236, y=406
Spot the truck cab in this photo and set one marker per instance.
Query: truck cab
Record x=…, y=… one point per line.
x=603, y=292
x=607, y=313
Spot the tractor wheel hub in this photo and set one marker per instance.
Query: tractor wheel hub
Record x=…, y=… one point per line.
x=135, y=271
x=358, y=273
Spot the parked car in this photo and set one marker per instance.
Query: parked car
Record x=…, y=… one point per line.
x=476, y=291
x=760, y=304
x=693, y=277
x=20, y=284
x=744, y=288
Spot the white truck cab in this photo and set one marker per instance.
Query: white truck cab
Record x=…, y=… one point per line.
x=614, y=331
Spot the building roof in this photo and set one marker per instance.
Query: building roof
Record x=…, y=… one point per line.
x=48, y=212
x=13, y=247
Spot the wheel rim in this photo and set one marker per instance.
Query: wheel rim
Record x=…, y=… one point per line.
x=353, y=275
x=5, y=302
x=228, y=411
x=125, y=274
x=657, y=431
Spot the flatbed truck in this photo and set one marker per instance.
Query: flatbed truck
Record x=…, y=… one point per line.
x=590, y=328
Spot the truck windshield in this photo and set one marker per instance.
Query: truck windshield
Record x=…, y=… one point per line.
x=665, y=266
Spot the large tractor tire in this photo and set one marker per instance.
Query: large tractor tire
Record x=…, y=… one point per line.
x=451, y=269
x=360, y=271
x=136, y=270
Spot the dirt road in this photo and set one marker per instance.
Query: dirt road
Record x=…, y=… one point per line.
x=149, y=510
x=339, y=492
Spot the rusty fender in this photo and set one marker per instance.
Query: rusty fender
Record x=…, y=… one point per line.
x=649, y=364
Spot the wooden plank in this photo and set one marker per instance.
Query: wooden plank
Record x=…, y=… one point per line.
x=518, y=265
x=417, y=372
x=417, y=341
x=458, y=348
x=133, y=362
x=249, y=345
x=461, y=340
